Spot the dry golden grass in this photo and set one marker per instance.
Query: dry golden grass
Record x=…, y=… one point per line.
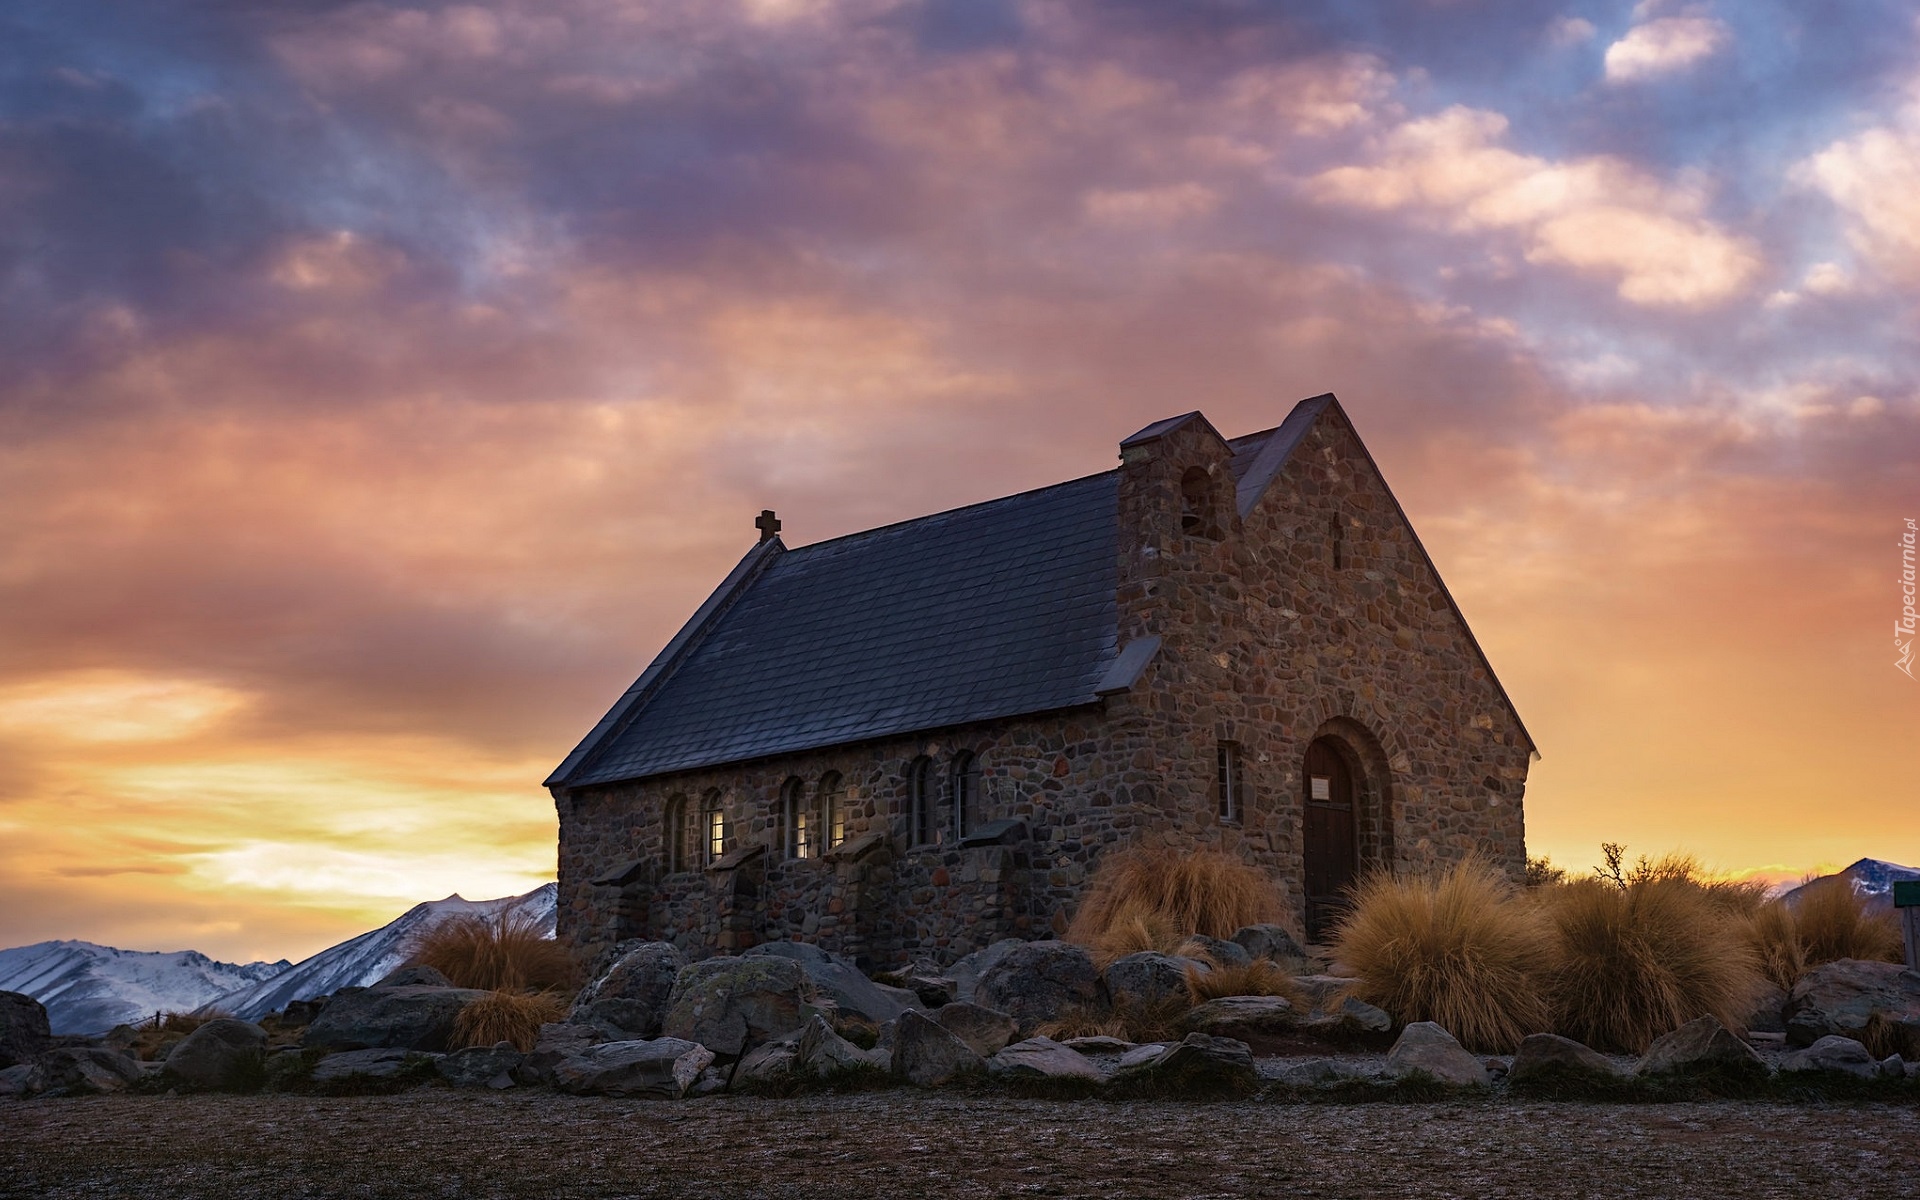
x=1157, y=1022
x=506, y=1016
x=1833, y=922
x=1457, y=949
x=1774, y=938
x=502, y=953
x=1260, y=978
x=1152, y=898
x=1632, y=963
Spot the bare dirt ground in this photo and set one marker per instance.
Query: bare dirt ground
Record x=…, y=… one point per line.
x=438, y=1143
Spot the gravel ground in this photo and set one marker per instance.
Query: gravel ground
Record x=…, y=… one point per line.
x=440, y=1143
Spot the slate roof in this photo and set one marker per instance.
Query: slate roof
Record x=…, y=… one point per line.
x=994, y=610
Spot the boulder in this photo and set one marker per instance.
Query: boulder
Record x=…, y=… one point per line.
x=1348, y=1018
x=1424, y=1046
x=1270, y=942
x=1098, y=1044
x=1140, y=1056
x=1037, y=981
x=399, y=1018
x=1196, y=1065
x=414, y=975
x=24, y=1034
x=1243, y=1016
x=301, y=1012
x=821, y=1051
x=632, y=994
x=1149, y=978
x=767, y=1062
x=838, y=980
x=925, y=1054
x=383, y=1063
x=82, y=1071
x=1833, y=1053
x=984, y=1030
x=1324, y=992
x=661, y=1069
x=727, y=1004
x=1042, y=1058
x=15, y=1080
x=1700, y=1044
x=1323, y=1072
x=223, y=1053
x=481, y=1066
x=712, y=1082
x=1768, y=1011
x=1841, y=997
x=1220, y=950
x=932, y=986
x=967, y=972
x=1550, y=1054
x=558, y=1040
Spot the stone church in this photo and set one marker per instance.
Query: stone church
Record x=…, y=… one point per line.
x=910, y=742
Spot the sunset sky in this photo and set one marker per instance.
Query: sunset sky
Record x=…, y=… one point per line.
x=380, y=386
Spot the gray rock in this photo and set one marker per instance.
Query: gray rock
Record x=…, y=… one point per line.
x=403, y=1018
x=1038, y=981
x=1220, y=950
x=82, y=1071
x=632, y=994
x=15, y=1080
x=1270, y=942
x=1098, y=1045
x=223, y=1053
x=384, y=1063
x=727, y=1004
x=558, y=1040
x=1549, y=1053
x=765, y=1063
x=1346, y=1019
x=1042, y=1058
x=1424, y=1046
x=1324, y=993
x=1697, y=1045
x=1243, y=1016
x=984, y=1030
x=967, y=972
x=481, y=1066
x=1142, y=1055
x=24, y=1034
x=821, y=1051
x=712, y=1082
x=1893, y=1067
x=1197, y=1065
x=1149, y=978
x=1841, y=997
x=1323, y=1072
x=414, y=975
x=1768, y=1012
x=931, y=986
x=925, y=1054
x=1833, y=1053
x=838, y=980
x=661, y=1069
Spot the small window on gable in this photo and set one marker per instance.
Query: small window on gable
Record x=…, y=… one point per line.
x=676, y=834
x=833, y=809
x=1229, y=788
x=796, y=829
x=713, y=824
x=964, y=774
x=923, y=824
x=1197, y=516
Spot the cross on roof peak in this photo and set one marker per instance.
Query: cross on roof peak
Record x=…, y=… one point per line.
x=767, y=524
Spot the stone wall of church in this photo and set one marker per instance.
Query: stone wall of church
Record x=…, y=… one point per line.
x=1268, y=640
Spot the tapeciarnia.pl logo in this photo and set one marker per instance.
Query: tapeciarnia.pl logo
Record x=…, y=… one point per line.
x=1903, y=629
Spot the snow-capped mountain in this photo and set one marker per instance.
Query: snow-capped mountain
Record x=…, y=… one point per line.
x=1871, y=877
x=364, y=960
x=90, y=989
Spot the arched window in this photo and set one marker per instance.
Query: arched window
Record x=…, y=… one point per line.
x=833, y=809
x=1196, y=504
x=676, y=834
x=923, y=826
x=964, y=776
x=713, y=826
x=796, y=828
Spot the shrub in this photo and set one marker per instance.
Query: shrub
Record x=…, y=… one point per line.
x=1152, y=898
x=1631, y=963
x=1833, y=922
x=1542, y=873
x=501, y=953
x=1774, y=938
x=1260, y=978
x=1456, y=949
x=506, y=1016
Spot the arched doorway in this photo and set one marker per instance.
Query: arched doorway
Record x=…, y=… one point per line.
x=1330, y=841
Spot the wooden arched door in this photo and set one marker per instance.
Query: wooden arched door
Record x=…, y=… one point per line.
x=1330, y=843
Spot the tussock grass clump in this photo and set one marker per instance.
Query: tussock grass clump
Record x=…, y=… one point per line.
x=1631, y=963
x=503, y=953
x=506, y=1016
x=1153, y=1022
x=1834, y=922
x=1456, y=949
x=1260, y=978
x=1774, y=938
x=1153, y=897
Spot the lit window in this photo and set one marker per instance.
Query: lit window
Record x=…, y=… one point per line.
x=833, y=810
x=714, y=821
x=965, y=776
x=1230, y=787
x=796, y=832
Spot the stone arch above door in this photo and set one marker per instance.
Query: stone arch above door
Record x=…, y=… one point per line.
x=1345, y=768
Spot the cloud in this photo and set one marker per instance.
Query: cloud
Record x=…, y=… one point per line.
x=1664, y=46
x=1873, y=178
x=1596, y=215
